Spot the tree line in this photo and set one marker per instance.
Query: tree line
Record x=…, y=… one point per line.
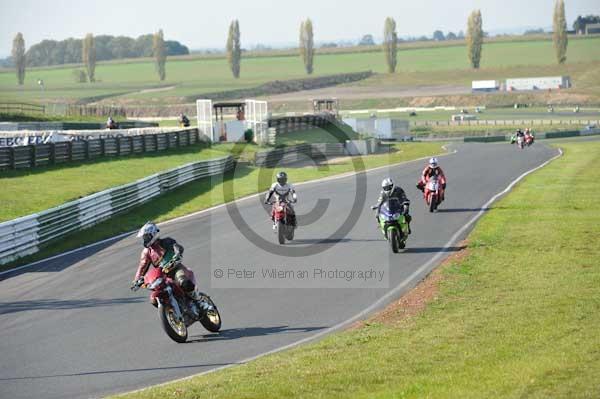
x=92, y=49
x=69, y=51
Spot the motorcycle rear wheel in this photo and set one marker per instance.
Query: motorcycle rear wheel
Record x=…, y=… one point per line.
x=177, y=331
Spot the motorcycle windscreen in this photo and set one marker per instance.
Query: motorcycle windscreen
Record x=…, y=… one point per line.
x=390, y=208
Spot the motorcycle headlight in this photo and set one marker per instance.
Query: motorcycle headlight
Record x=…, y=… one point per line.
x=155, y=283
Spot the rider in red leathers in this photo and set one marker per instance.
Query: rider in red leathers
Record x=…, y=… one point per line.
x=430, y=170
x=154, y=250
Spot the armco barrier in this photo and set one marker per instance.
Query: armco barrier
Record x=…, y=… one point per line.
x=291, y=154
x=484, y=139
x=25, y=235
x=556, y=135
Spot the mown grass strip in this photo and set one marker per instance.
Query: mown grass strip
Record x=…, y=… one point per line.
x=26, y=191
x=517, y=317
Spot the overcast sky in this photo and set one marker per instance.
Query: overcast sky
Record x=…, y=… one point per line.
x=203, y=23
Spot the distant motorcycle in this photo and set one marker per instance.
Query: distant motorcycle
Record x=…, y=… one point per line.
x=432, y=193
x=392, y=222
x=176, y=310
x=520, y=142
x=529, y=139
x=282, y=220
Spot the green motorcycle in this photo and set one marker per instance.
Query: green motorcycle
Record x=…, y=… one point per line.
x=393, y=224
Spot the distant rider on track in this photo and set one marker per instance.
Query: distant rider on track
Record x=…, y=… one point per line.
x=286, y=192
x=433, y=169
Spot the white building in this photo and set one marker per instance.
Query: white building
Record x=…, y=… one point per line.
x=541, y=83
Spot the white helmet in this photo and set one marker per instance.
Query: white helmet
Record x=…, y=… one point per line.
x=387, y=185
x=433, y=162
x=148, y=233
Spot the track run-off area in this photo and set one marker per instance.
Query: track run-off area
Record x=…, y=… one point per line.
x=72, y=328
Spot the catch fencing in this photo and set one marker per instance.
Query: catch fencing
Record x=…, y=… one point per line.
x=30, y=156
x=26, y=235
x=21, y=108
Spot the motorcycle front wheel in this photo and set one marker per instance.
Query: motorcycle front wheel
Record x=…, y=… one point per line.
x=176, y=330
x=394, y=240
x=432, y=203
x=281, y=232
x=212, y=318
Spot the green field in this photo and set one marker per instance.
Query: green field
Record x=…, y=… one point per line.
x=517, y=317
x=184, y=200
x=193, y=76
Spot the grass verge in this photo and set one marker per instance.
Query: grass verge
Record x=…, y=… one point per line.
x=208, y=192
x=57, y=184
x=518, y=316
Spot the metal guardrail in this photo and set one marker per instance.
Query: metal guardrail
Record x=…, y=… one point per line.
x=25, y=235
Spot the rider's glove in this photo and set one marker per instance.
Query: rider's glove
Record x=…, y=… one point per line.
x=374, y=207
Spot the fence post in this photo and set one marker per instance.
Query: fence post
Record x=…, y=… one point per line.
x=118, y=146
x=178, y=139
x=102, y=148
x=156, y=142
x=131, y=145
x=87, y=149
x=70, y=151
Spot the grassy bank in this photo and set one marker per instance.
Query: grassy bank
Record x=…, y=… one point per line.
x=137, y=81
x=208, y=192
x=55, y=185
x=517, y=316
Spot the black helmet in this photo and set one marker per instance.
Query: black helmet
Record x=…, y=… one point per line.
x=282, y=178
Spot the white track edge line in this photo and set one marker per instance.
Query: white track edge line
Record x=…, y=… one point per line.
x=207, y=210
x=384, y=299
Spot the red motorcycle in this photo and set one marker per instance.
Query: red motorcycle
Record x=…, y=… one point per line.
x=176, y=310
x=433, y=192
x=529, y=139
x=282, y=220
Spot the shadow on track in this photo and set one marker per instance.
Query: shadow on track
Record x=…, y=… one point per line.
x=453, y=210
x=236, y=333
x=87, y=373
x=313, y=241
x=422, y=250
x=57, y=304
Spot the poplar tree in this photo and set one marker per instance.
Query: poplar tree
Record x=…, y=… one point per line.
x=160, y=54
x=559, y=35
x=234, y=51
x=88, y=55
x=474, y=38
x=18, y=55
x=307, y=50
x=390, y=44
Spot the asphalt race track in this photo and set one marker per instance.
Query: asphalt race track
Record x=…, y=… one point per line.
x=72, y=328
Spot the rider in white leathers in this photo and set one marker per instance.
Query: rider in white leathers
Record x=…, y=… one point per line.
x=285, y=191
